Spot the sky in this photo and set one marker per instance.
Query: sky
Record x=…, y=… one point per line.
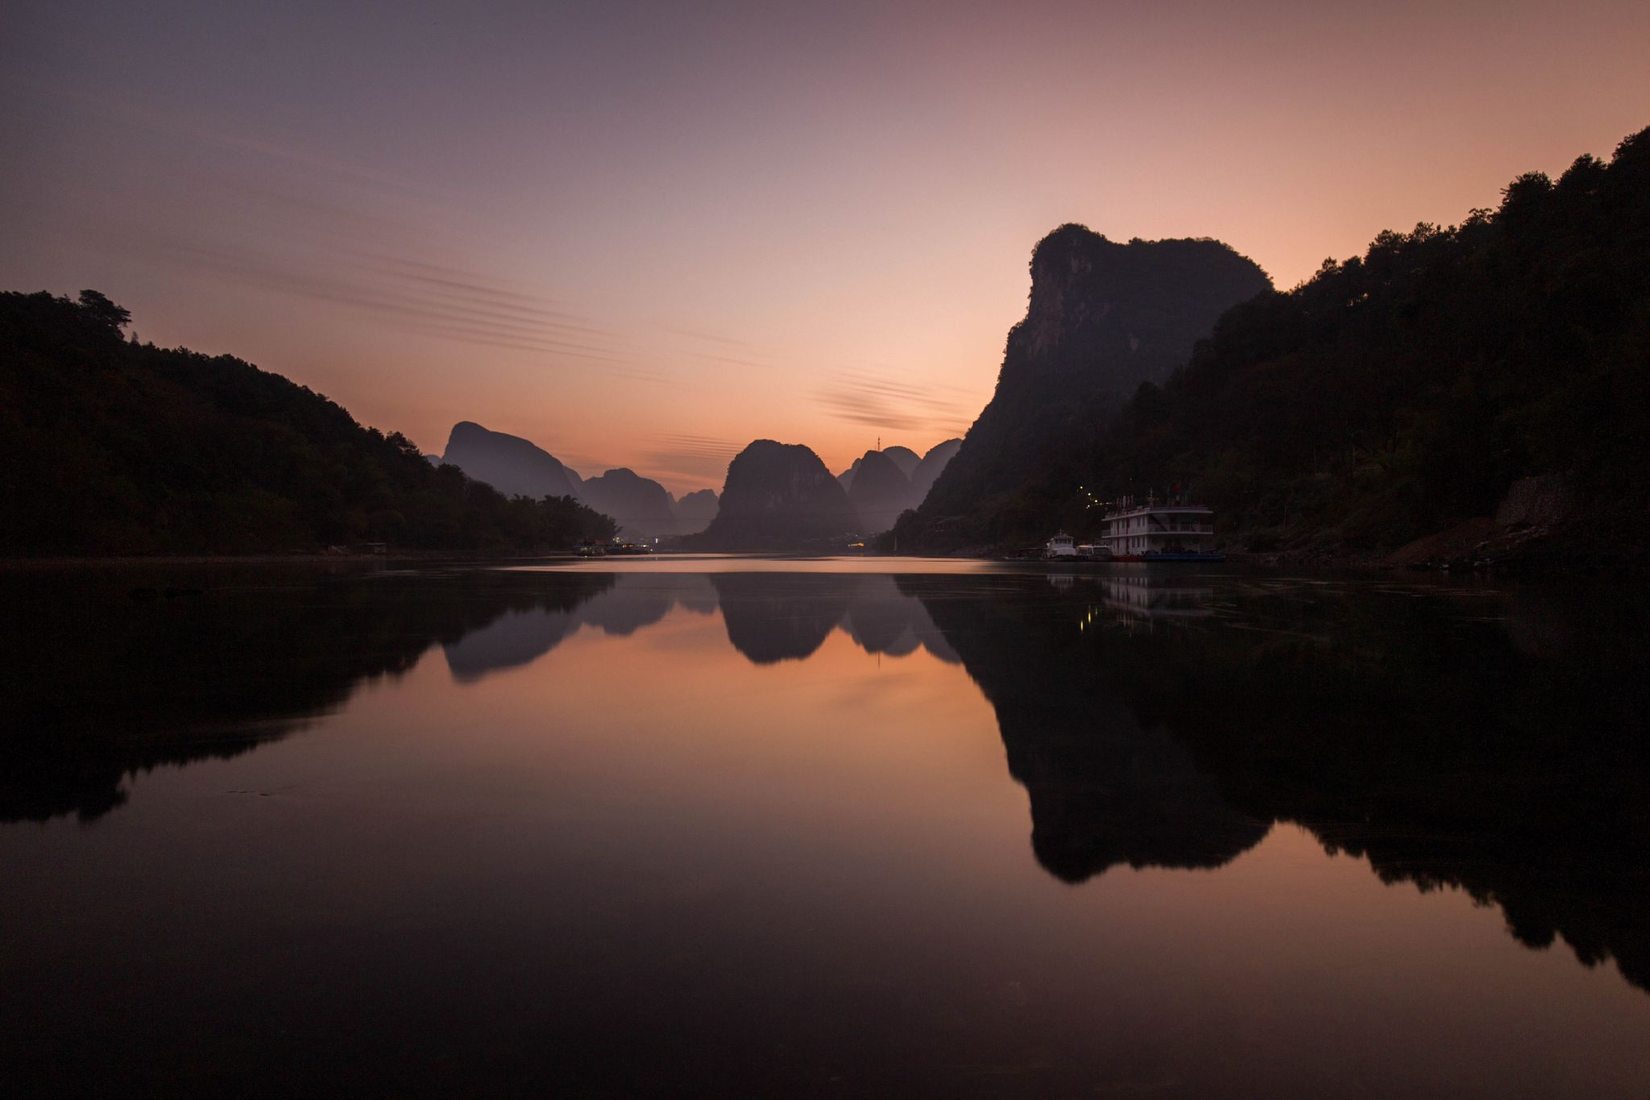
x=645, y=234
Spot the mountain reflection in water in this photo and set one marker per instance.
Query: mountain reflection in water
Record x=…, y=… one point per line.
x=1491, y=741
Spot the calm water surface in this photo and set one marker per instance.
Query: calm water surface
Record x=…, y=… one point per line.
x=880, y=827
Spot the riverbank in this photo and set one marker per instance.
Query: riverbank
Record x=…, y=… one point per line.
x=387, y=560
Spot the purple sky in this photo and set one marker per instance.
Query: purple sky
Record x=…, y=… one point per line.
x=645, y=234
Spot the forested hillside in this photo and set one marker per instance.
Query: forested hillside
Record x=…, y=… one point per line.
x=1478, y=391
x=1103, y=318
x=1405, y=391
x=109, y=446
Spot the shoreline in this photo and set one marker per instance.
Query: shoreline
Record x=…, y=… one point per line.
x=95, y=561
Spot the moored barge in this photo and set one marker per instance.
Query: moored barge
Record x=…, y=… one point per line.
x=1153, y=530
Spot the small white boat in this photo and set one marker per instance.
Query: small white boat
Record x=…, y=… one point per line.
x=1061, y=545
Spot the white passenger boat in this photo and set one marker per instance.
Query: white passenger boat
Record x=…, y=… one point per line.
x=1153, y=530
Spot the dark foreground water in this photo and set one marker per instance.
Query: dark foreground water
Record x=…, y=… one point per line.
x=694, y=829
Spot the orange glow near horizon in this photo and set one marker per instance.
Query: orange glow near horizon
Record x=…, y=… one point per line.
x=646, y=240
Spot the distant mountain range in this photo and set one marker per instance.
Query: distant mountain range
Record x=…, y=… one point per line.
x=1476, y=392
x=694, y=511
x=780, y=496
x=882, y=484
x=640, y=506
x=778, y=500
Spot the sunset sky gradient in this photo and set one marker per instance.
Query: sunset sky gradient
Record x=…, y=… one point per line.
x=644, y=235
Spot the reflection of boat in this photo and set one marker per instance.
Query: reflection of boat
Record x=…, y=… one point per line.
x=1171, y=530
x=1145, y=595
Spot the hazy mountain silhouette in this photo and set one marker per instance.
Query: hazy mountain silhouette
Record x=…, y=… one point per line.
x=639, y=505
x=510, y=464
x=694, y=511
x=1103, y=318
x=880, y=491
x=778, y=496
x=879, y=502
x=904, y=457
x=929, y=468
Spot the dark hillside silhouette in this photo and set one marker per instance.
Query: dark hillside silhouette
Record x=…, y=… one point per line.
x=639, y=505
x=778, y=496
x=1497, y=366
x=1103, y=319
x=1482, y=389
x=109, y=446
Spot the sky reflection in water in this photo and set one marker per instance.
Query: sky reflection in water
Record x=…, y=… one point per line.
x=827, y=830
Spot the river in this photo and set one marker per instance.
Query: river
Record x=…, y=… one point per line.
x=720, y=826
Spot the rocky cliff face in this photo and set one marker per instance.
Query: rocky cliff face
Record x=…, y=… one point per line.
x=510, y=464
x=1103, y=318
x=778, y=496
x=639, y=505
x=694, y=511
